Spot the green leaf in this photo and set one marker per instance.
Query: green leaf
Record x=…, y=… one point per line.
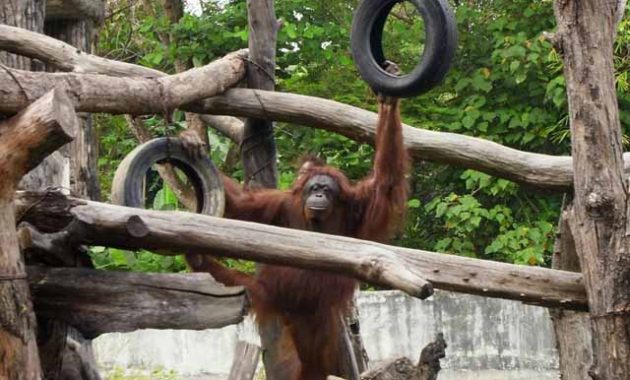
x=413, y=203
x=441, y=209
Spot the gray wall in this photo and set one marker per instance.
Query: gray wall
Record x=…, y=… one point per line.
x=488, y=339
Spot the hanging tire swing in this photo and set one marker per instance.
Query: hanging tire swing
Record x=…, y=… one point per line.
x=439, y=49
x=128, y=184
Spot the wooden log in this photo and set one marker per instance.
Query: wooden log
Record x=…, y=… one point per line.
x=258, y=147
x=39, y=130
x=245, y=362
x=101, y=93
x=400, y=268
x=54, y=249
x=25, y=140
x=64, y=352
x=82, y=152
x=96, y=302
x=66, y=57
x=532, y=169
x=600, y=217
x=95, y=93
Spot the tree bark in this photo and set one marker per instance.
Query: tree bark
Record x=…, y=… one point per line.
x=26, y=14
x=82, y=152
x=403, y=368
x=25, y=140
x=258, y=148
x=600, y=215
x=97, y=302
x=93, y=10
x=64, y=56
x=572, y=328
x=76, y=361
x=64, y=352
x=379, y=264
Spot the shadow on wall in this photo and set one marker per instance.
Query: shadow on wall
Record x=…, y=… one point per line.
x=489, y=339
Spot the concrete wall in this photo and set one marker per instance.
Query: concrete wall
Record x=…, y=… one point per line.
x=487, y=339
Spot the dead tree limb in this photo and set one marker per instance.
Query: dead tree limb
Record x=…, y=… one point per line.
x=395, y=267
x=96, y=302
x=404, y=369
x=25, y=140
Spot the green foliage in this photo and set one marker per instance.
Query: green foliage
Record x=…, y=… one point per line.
x=506, y=86
x=141, y=261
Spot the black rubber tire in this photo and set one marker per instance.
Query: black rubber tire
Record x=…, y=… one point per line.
x=128, y=183
x=439, y=49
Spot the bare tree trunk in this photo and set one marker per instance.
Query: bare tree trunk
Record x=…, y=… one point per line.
x=64, y=352
x=25, y=140
x=599, y=216
x=572, y=328
x=18, y=362
x=83, y=151
x=27, y=14
x=258, y=148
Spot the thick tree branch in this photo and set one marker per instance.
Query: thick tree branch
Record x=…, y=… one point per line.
x=380, y=264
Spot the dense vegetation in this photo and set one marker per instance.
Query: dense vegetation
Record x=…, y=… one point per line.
x=506, y=86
